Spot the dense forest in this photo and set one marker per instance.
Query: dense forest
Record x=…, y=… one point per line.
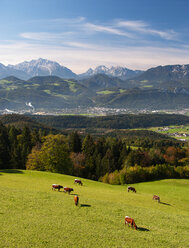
x=126, y=121
x=108, y=159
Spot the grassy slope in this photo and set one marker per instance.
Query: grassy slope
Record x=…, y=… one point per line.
x=32, y=215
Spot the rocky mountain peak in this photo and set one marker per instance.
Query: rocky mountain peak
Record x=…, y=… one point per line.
x=43, y=67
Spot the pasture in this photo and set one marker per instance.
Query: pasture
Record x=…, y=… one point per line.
x=33, y=215
x=178, y=132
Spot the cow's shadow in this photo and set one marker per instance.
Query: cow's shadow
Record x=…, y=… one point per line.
x=85, y=205
x=142, y=229
x=164, y=203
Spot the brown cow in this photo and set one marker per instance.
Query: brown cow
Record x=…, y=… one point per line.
x=130, y=221
x=67, y=189
x=131, y=188
x=156, y=197
x=57, y=186
x=76, y=199
x=78, y=181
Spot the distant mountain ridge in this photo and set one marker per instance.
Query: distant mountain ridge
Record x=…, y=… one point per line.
x=5, y=71
x=162, y=87
x=167, y=72
x=44, y=67
x=114, y=71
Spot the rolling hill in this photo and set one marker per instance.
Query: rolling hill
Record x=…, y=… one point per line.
x=32, y=215
x=144, y=99
x=164, y=77
x=48, y=92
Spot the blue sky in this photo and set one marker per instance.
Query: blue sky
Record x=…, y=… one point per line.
x=79, y=34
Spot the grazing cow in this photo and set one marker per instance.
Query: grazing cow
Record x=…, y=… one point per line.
x=66, y=189
x=130, y=221
x=76, y=199
x=131, y=188
x=57, y=186
x=78, y=181
x=156, y=197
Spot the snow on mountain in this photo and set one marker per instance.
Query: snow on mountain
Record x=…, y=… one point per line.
x=43, y=67
x=2, y=67
x=5, y=71
x=182, y=70
x=114, y=71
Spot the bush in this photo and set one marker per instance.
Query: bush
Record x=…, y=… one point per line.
x=114, y=178
x=140, y=174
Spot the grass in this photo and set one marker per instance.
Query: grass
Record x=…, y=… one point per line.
x=144, y=81
x=72, y=85
x=105, y=92
x=32, y=215
x=133, y=147
x=147, y=86
x=47, y=91
x=13, y=87
x=122, y=91
x=3, y=81
x=179, y=130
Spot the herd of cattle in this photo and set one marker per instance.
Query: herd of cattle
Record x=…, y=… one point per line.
x=128, y=220
x=67, y=189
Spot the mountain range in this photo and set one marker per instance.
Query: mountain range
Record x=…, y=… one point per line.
x=44, y=67
x=114, y=71
x=162, y=87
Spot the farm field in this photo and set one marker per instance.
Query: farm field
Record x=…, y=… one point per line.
x=178, y=132
x=32, y=215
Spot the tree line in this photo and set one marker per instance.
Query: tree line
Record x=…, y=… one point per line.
x=108, y=159
x=122, y=121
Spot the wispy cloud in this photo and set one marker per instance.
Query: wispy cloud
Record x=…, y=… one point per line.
x=106, y=29
x=79, y=44
x=45, y=36
x=132, y=30
x=144, y=28
x=58, y=22
x=79, y=60
x=83, y=45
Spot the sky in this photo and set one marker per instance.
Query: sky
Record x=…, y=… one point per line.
x=83, y=34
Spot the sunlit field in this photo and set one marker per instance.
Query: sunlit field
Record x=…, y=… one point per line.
x=32, y=215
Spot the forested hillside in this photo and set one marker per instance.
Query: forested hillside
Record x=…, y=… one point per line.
x=52, y=93
x=117, y=160
x=126, y=121
x=117, y=122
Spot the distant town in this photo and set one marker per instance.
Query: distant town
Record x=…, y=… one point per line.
x=91, y=111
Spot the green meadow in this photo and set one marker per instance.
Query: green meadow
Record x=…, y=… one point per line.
x=32, y=215
x=171, y=130
x=105, y=92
